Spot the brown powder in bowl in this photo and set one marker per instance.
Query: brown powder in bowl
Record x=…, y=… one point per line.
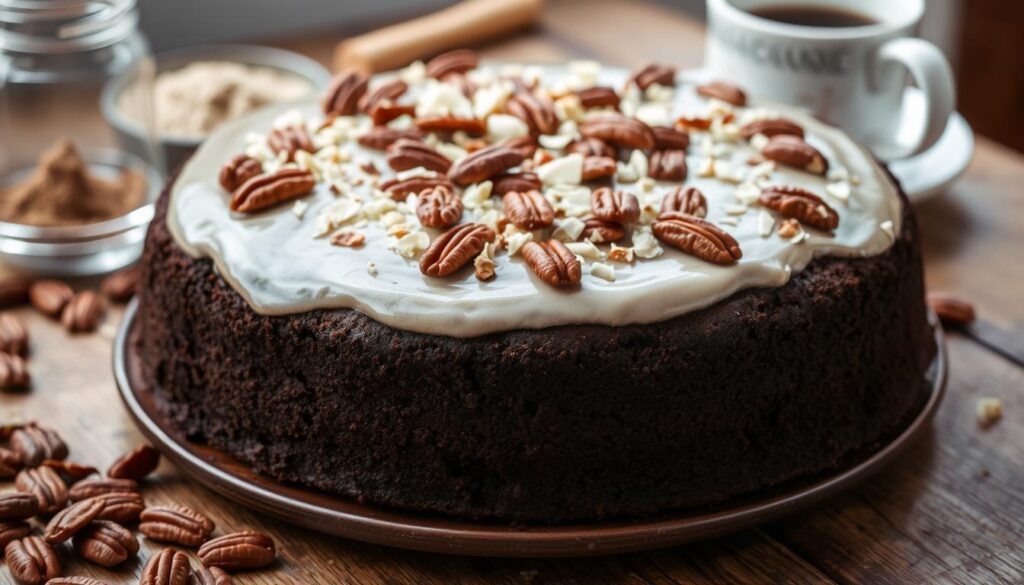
x=61, y=192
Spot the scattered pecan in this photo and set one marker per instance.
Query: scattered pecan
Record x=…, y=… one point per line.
x=342, y=98
x=75, y=580
x=385, y=112
x=723, y=90
x=348, y=239
x=538, y=113
x=270, y=189
x=598, y=97
x=240, y=550
x=382, y=137
x=10, y=463
x=386, y=92
x=49, y=296
x=47, y=487
x=210, y=576
x=83, y=313
x=34, y=443
x=590, y=147
x=627, y=132
x=106, y=543
x=614, y=206
x=525, y=181
x=794, y=152
x=13, y=372
x=177, y=524
x=772, y=127
x=17, y=506
x=439, y=207
x=802, y=205
x=525, y=145
x=120, y=286
x=789, y=228
x=451, y=124
x=697, y=237
x=666, y=138
x=552, y=262
x=599, y=230
x=528, y=210
x=694, y=123
x=69, y=471
x=290, y=140
x=484, y=164
x=688, y=200
x=951, y=310
x=455, y=248
x=72, y=519
x=14, y=290
x=238, y=170
x=167, y=567
x=457, y=61
x=654, y=73
x=400, y=190
x=136, y=464
x=90, y=488
x=122, y=507
x=13, y=530
x=598, y=167
x=668, y=165
x=407, y=154
x=31, y=561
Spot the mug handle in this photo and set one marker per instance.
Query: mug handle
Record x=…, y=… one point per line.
x=933, y=75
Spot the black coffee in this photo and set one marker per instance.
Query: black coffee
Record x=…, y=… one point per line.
x=807, y=15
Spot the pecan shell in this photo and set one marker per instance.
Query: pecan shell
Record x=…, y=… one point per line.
x=553, y=263
x=439, y=207
x=599, y=230
x=455, y=248
x=484, y=164
x=801, y=205
x=408, y=154
x=83, y=313
x=72, y=519
x=34, y=443
x=614, y=206
x=342, y=98
x=688, y=200
x=528, y=210
x=49, y=296
x=382, y=137
x=17, y=506
x=136, y=464
x=666, y=138
x=177, y=524
x=771, y=127
x=697, y=237
x=724, y=91
x=47, y=487
x=668, y=165
x=13, y=372
x=457, y=61
x=538, y=113
x=400, y=190
x=122, y=507
x=31, y=560
x=525, y=181
x=654, y=73
x=616, y=129
x=238, y=170
x=270, y=189
x=387, y=92
x=451, y=124
x=290, y=140
x=598, y=97
x=590, y=147
x=106, y=543
x=794, y=152
x=241, y=550
x=167, y=567
x=101, y=486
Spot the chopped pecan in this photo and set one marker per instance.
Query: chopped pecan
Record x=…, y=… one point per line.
x=801, y=205
x=31, y=560
x=47, y=487
x=106, y=543
x=484, y=164
x=136, y=464
x=439, y=207
x=598, y=97
x=794, y=152
x=553, y=263
x=405, y=154
x=666, y=138
x=342, y=98
x=614, y=206
x=177, y=524
x=387, y=92
x=270, y=189
x=72, y=519
x=538, y=113
x=526, y=145
x=599, y=230
x=590, y=147
x=400, y=190
x=34, y=443
x=688, y=200
x=771, y=127
x=654, y=73
x=451, y=124
x=668, y=165
x=627, y=132
x=385, y=112
x=598, y=167
x=289, y=139
x=238, y=170
x=167, y=567
x=382, y=137
x=240, y=550
x=697, y=237
x=455, y=248
x=724, y=91
x=952, y=311
x=528, y=210
x=457, y=61
x=348, y=239
x=525, y=181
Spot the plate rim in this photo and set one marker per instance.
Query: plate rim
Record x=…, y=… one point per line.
x=416, y=531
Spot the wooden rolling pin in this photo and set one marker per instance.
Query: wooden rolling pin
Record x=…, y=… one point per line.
x=461, y=25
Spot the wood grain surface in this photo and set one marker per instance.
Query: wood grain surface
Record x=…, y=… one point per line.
x=951, y=510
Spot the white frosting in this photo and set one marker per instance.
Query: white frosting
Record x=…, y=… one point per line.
x=275, y=263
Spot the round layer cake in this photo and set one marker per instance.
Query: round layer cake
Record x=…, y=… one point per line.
x=649, y=295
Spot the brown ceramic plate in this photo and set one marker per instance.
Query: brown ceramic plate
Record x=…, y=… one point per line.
x=344, y=517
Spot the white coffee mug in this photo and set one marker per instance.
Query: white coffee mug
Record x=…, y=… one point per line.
x=853, y=77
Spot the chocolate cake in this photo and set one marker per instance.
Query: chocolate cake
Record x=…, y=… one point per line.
x=520, y=365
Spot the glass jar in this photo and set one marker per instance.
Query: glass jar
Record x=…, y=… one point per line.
x=56, y=59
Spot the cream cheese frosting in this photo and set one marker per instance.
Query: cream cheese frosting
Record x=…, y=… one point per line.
x=282, y=260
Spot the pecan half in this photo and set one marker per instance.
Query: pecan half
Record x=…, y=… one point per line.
x=35, y=443
x=455, y=248
x=952, y=311
x=13, y=372
x=68, y=470
x=599, y=230
x=31, y=560
x=136, y=464
x=598, y=97
x=18, y=506
x=668, y=165
x=538, y=113
x=178, y=524
x=528, y=210
x=627, y=132
x=101, y=486
x=122, y=507
x=270, y=189
x=238, y=170
x=525, y=181
x=654, y=73
x=210, y=576
x=400, y=190
x=14, y=290
x=553, y=263
x=120, y=286
x=49, y=296
x=167, y=567
x=10, y=463
x=697, y=237
x=240, y=550
x=614, y=206
x=83, y=313
x=688, y=200
x=13, y=530
x=408, y=154
x=106, y=543
x=525, y=145
x=801, y=205
x=451, y=124
x=484, y=164
x=794, y=152
x=771, y=127
x=666, y=138
x=342, y=98
x=72, y=519
x=382, y=137
x=290, y=140
x=439, y=207
x=385, y=112
x=590, y=147
x=723, y=90
x=457, y=61
x=47, y=487
x=387, y=92
x=598, y=167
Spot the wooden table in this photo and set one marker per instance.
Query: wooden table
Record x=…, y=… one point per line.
x=951, y=510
